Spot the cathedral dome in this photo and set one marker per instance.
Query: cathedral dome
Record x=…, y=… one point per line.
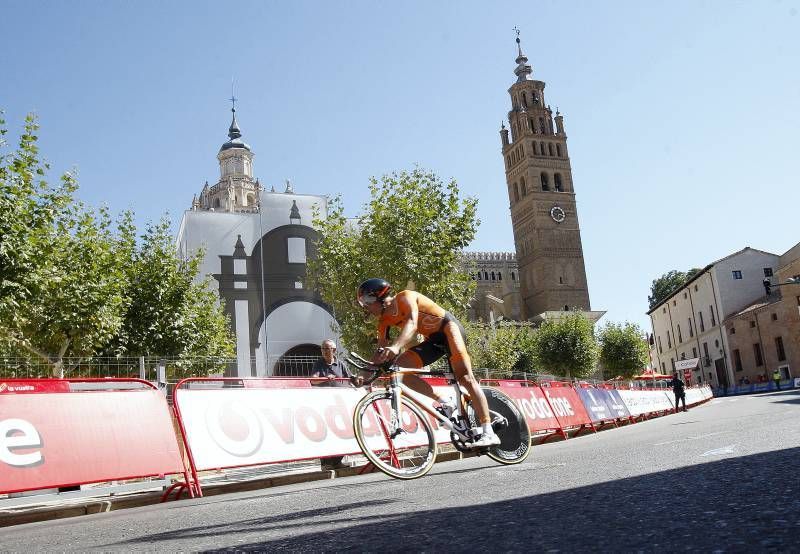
x=235, y=136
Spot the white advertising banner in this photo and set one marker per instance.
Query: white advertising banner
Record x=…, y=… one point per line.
x=645, y=401
x=695, y=395
x=237, y=427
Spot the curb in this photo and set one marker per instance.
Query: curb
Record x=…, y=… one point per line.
x=47, y=513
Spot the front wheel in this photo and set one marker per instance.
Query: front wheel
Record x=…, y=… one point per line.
x=509, y=424
x=404, y=449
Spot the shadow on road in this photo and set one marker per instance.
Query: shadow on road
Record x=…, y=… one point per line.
x=744, y=503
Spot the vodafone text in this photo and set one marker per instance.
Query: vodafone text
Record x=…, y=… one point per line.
x=18, y=434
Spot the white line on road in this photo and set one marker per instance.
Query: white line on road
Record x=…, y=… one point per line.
x=720, y=451
x=691, y=438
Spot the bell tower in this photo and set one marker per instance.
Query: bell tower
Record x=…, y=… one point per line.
x=544, y=214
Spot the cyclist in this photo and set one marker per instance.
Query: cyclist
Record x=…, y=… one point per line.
x=415, y=313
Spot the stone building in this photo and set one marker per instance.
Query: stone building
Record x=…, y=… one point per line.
x=765, y=335
x=256, y=245
x=541, y=193
x=497, y=294
x=689, y=325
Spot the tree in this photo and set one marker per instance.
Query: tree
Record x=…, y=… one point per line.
x=506, y=349
x=566, y=346
x=623, y=351
x=664, y=286
x=411, y=232
x=171, y=314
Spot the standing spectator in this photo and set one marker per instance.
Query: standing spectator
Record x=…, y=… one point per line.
x=678, y=388
x=329, y=366
x=776, y=376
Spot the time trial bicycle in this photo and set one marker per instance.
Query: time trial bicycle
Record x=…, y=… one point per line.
x=394, y=426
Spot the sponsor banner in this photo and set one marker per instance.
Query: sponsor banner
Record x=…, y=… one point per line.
x=238, y=427
x=533, y=405
x=646, y=401
x=694, y=395
x=594, y=400
x=19, y=386
x=617, y=405
x=54, y=439
x=567, y=406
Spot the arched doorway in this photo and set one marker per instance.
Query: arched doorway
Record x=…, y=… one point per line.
x=297, y=361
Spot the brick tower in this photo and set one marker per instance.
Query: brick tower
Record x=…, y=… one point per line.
x=542, y=201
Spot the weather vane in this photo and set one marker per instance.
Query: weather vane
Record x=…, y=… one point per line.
x=517, y=31
x=233, y=98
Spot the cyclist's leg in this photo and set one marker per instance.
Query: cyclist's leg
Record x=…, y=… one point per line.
x=462, y=368
x=418, y=357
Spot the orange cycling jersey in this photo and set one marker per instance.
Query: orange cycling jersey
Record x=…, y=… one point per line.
x=430, y=316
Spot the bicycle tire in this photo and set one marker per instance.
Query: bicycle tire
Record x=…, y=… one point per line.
x=515, y=438
x=410, y=454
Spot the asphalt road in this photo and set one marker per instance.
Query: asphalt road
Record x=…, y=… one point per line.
x=721, y=477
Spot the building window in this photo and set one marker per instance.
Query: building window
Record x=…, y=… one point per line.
x=499, y=276
x=694, y=352
x=669, y=340
x=550, y=148
x=558, y=150
x=695, y=288
x=684, y=296
x=737, y=360
x=705, y=353
x=492, y=275
x=674, y=302
x=663, y=367
x=774, y=317
x=522, y=186
x=680, y=335
x=541, y=145
x=557, y=183
x=672, y=361
x=733, y=330
x=767, y=272
x=660, y=350
x=513, y=276
x=296, y=250
x=737, y=274
x=691, y=329
x=664, y=310
x=545, y=181
x=485, y=275
x=702, y=325
x=516, y=193
x=752, y=324
x=779, y=349
x=713, y=319
x=535, y=149
x=757, y=354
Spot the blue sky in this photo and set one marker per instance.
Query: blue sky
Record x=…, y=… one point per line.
x=682, y=116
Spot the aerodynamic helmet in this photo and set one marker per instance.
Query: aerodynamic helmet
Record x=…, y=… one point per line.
x=373, y=290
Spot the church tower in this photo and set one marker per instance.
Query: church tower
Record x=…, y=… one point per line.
x=542, y=201
x=236, y=190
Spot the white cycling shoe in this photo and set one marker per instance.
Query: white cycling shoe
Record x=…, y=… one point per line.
x=486, y=440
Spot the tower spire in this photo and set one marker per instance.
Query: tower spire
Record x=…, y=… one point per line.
x=234, y=132
x=523, y=69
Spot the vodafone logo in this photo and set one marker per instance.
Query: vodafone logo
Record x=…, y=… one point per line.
x=19, y=443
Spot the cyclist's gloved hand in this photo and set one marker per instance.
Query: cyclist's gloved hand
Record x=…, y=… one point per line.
x=386, y=354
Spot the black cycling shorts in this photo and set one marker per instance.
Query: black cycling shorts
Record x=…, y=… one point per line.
x=435, y=346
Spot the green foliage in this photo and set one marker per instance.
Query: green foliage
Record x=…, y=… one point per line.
x=170, y=313
x=566, y=347
x=623, y=350
x=664, y=286
x=71, y=283
x=507, y=349
x=411, y=231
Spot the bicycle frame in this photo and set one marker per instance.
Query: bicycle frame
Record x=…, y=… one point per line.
x=398, y=389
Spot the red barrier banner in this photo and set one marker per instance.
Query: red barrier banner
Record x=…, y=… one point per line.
x=59, y=439
x=534, y=406
x=567, y=406
x=27, y=386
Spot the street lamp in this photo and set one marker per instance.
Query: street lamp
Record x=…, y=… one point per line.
x=768, y=285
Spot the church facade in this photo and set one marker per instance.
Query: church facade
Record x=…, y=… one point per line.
x=256, y=245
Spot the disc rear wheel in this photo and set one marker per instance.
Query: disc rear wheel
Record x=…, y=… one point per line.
x=509, y=425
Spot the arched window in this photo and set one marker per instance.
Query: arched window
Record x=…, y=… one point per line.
x=216, y=202
x=558, y=150
x=557, y=182
x=566, y=308
x=541, y=125
x=524, y=99
x=513, y=277
x=550, y=148
x=531, y=126
x=508, y=161
x=499, y=276
x=492, y=275
x=516, y=193
x=522, y=186
x=541, y=147
x=485, y=275
x=545, y=181
x=535, y=149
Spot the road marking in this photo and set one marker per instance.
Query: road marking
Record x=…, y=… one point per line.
x=720, y=451
x=691, y=438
